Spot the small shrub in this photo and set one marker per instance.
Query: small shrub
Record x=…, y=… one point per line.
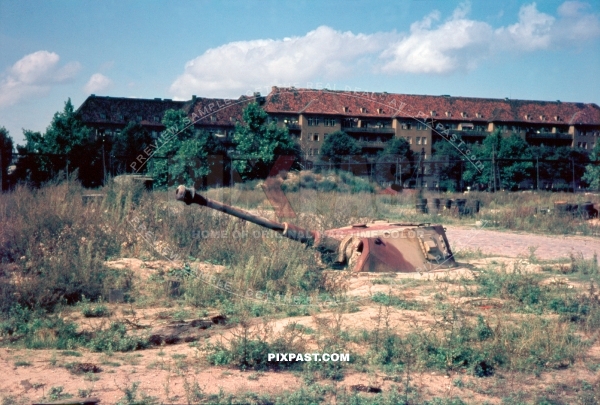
x=115, y=338
x=132, y=397
x=95, y=311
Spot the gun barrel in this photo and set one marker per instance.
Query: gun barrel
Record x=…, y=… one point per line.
x=311, y=238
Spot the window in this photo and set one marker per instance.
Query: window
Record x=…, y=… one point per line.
x=329, y=122
x=213, y=118
x=103, y=116
x=424, y=141
x=363, y=110
x=313, y=122
x=418, y=140
x=409, y=139
x=138, y=118
x=315, y=137
x=421, y=126
x=156, y=119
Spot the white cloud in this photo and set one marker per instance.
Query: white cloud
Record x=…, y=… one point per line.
x=237, y=67
x=34, y=75
x=532, y=32
x=433, y=45
x=443, y=49
x=97, y=83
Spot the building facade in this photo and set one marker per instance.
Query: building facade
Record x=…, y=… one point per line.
x=373, y=119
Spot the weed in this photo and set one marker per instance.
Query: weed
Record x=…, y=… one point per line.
x=95, y=311
x=132, y=397
x=392, y=300
x=84, y=393
x=56, y=393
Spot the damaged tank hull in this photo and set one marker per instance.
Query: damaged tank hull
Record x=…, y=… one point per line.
x=378, y=246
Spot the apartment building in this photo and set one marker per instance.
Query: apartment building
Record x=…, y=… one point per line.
x=373, y=119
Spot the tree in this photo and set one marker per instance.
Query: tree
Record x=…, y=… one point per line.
x=6, y=148
x=503, y=173
x=66, y=143
x=187, y=156
x=451, y=171
x=127, y=146
x=264, y=142
x=394, y=162
x=338, y=146
x=592, y=171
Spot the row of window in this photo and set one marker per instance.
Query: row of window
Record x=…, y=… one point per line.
x=419, y=126
x=584, y=145
x=315, y=121
x=420, y=140
x=313, y=136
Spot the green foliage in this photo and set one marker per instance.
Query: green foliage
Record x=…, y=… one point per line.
x=392, y=300
x=95, y=311
x=186, y=156
x=519, y=286
x=132, y=397
x=263, y=141
x=56, y=393
x=127, y=146
x=510, y=174
x=66, y=141
x=338, y=147
x=115, y=338
x=592, y=171
x=395, y=161
x=6, y=147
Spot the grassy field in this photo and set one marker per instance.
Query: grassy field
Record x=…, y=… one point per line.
x=497, y=330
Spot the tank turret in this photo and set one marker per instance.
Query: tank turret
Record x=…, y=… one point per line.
x=378, y=246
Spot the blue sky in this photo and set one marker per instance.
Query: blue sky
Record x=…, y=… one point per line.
x=51, y=50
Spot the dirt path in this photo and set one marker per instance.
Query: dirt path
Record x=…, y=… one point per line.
x=513, y=244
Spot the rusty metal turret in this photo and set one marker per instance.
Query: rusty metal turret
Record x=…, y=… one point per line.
x=378, y=246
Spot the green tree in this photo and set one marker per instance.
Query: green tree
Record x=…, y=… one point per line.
x=66, y=142
x=338, y=146
x=450, y=171
x=592, y=171
x=264, y=142
x=187, y=157
x=6, y=148
x=508, y=173
x=394, y=161
x=127, y=146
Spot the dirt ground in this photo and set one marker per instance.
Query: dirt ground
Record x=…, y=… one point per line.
x=168, y=371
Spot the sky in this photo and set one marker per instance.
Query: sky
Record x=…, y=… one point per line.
x=51, y=51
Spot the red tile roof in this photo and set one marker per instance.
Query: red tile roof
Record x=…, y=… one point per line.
x=203, y=111
x=385, y=105
x=218, y=111
x=122, y=110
